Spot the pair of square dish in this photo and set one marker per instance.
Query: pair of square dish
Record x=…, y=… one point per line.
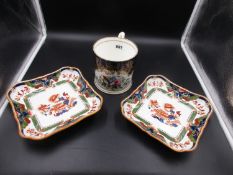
x=169, y=113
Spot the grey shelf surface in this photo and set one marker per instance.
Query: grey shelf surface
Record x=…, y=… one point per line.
x=106, y=143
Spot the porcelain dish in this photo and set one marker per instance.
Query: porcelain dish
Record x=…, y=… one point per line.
x=169, y=113
x=48, y=104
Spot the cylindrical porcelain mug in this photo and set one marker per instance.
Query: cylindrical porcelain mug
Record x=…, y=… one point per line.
x=114, y=63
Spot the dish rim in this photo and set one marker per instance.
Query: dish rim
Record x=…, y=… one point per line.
x=62, y=128
x=202, y=129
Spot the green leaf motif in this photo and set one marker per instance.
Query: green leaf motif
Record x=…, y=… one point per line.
x=24, y=124
x=193, y=97
x=192, y=138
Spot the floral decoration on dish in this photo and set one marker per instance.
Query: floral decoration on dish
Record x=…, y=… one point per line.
x=48, y=104
x=167, y=112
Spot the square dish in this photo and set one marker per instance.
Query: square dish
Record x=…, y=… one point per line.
x=48, y=104
x=169, y=113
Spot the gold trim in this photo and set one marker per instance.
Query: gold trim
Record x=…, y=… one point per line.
x=64, y=127
x=202, y=129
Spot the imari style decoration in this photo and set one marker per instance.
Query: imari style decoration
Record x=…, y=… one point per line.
x=116, y=77
x=167, y=112
x=114, y=63
x=46, y=105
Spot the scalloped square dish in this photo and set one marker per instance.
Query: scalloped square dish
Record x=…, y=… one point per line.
x=169, y=113
x=48, y=104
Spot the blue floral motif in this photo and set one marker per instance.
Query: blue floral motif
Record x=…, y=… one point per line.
x=195, y=128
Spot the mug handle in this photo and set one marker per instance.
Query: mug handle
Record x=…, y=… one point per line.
x=121, y=35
